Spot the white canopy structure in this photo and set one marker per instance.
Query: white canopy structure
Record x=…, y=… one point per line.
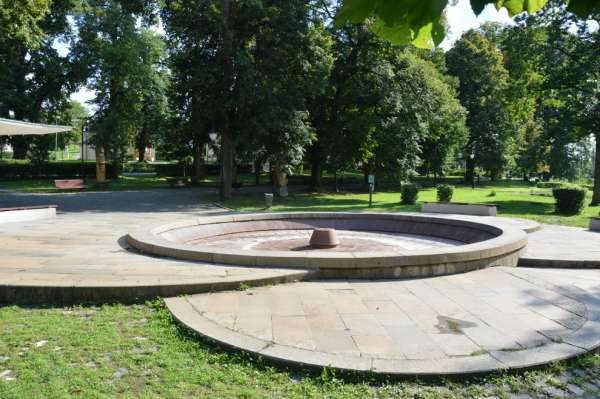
x=10, y=127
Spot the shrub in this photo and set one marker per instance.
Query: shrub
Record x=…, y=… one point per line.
x=445, y=192
x=409, y=193
x=569, y=200
x=492, y=193
x=550, y=184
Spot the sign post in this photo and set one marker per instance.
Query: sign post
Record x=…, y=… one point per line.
x=371, y=181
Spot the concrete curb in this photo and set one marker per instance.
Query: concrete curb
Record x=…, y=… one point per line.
x=68, y=294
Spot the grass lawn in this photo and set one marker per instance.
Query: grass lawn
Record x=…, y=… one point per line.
x=136, y=351
x=514, y=199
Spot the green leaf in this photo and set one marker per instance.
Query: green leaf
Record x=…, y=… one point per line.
x=416, y=21
x=438, y=32
x=517, y=6
x=479, y=5
x=355, y=11
x=420, y=22
x=423, y=37
x=397, y=34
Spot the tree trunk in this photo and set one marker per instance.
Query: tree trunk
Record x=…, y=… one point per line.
x=226, y=162
x=316, y=174
x=336, y=183
x=235, y=178
x=20, y=146
x=470, y=171
x=280, y=181
x=198, y=172
x=100, y=165
x=257, y=170
x=596, y=195
x=227, y=83
x=141, y=145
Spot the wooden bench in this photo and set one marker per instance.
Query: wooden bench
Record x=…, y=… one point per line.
x=70, y=184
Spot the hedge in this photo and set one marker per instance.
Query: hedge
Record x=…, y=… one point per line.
x=14, y=171
x=24, y=170
x=550, y=184
x=176, y=169
x=569, y=200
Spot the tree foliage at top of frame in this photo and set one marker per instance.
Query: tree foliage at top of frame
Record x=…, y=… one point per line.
x=422, y=23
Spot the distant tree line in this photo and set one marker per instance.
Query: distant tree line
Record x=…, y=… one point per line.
x=279, y=82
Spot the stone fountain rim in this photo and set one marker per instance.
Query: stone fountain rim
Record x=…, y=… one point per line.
x=508, y=241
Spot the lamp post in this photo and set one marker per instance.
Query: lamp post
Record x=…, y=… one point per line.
x=213, y=138
x=472, y=156
x=85, y=127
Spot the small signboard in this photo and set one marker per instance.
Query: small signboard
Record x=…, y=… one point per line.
x=371, y=179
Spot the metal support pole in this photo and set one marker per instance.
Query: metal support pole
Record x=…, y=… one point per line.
x=370, y=195
x=221, y=185
x=82, y=160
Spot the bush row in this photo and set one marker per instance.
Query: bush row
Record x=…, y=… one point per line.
x=13, y=171
x=176, y=169
x=25, y=170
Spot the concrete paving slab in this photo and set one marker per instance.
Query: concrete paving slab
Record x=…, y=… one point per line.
x=462, y=342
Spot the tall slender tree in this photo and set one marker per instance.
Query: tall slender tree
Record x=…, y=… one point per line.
x=479, y=66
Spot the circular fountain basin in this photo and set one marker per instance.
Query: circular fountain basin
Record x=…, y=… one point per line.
x=371, y=245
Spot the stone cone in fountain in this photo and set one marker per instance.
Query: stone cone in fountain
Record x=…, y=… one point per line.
x=324, y=238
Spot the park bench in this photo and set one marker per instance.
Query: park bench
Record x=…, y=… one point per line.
x=70, y=184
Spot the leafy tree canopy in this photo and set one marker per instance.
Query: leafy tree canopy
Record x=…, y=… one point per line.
x=20, y=20
x=422, y=22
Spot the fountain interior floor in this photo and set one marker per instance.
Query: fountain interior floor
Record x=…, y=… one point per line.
x=350, y=241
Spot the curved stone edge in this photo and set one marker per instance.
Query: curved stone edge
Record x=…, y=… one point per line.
x=548, y=263
x=582, y=341
x=85, y=292
x=384, y=265
x=531, y=227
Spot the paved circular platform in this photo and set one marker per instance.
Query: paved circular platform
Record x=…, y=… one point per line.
x=497, y=318
x=81, y=254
